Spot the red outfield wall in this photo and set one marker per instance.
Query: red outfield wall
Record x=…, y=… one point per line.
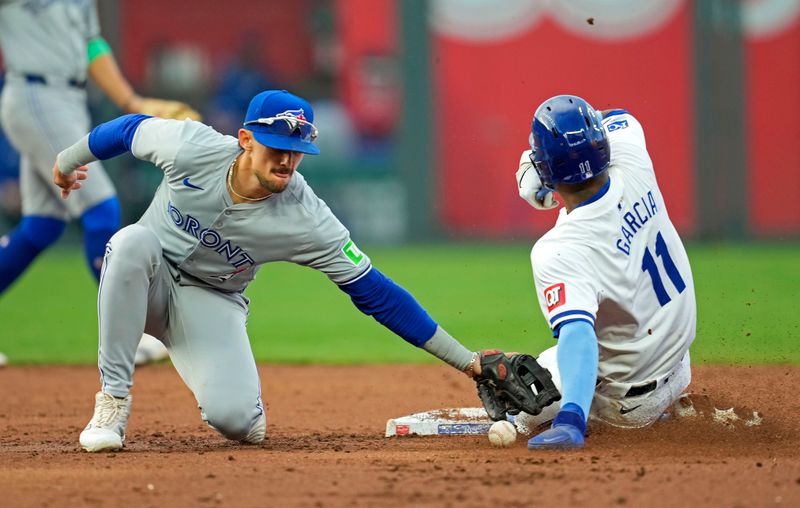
x=488, y=88
x=773, y=115
x=492, y=67
x=217, y=29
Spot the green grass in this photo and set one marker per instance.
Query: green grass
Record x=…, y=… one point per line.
x=747, y=307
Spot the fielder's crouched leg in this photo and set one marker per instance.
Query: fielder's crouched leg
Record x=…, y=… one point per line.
x=210, y=349
x=131, y=293
x=244, y=423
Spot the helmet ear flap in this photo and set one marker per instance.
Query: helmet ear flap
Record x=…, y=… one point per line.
x=543, y=170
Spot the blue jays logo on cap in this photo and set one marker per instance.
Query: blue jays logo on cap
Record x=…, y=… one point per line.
x=281, y=120
x=296, y=113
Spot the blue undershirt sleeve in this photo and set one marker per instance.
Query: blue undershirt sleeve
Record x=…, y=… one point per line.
x=577, y=357
x=113, y=138
x=378, y=296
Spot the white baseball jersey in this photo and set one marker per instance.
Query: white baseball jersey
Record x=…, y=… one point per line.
x=210, y=241
x=617, y=262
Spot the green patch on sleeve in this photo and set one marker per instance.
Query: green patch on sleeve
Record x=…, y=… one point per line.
x=352, y=252
x=97, y=47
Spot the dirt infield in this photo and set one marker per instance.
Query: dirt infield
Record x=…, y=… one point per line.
x=325, y=446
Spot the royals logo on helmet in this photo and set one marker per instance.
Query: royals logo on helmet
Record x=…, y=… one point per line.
x=555, y=296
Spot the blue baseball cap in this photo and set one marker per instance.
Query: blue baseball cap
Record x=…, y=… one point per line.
x=281, y=120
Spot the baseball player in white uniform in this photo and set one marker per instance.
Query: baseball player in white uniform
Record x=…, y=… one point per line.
x=225, y=206
x=49, y=47
x=612, y=276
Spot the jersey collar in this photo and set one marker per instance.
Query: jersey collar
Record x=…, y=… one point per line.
x=598, y=204
x=599, y=194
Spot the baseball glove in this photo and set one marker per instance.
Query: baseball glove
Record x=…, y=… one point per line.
x=510, y=384
x=165, y=109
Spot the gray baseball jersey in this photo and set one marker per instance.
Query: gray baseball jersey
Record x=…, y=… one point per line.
x=179, y=272
x=43, y=107
x=47, y=37
x=210, y=241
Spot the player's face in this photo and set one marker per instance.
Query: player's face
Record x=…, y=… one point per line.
x=274, y=168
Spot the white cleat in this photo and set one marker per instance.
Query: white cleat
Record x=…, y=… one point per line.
x=3, y=360
x=150, y=350
x=106, y=430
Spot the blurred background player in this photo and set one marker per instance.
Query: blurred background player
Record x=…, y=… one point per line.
x=9, y=185
x=49, y=48
x=612, y=276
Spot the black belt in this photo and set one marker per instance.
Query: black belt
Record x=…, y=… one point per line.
x=637, y=390
x=38, y=78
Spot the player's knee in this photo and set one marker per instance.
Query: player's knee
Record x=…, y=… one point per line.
x=549, y=360
x=239, y=423
x=258, y=430
x=41, y=232
x=133, y=253
x=139, y=246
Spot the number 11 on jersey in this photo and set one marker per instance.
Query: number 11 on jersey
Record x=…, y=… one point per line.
x=649, y=266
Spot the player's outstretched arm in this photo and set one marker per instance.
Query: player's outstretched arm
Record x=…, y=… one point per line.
x=105, y=141
x=504, y=380
x=104, y=71
x=378, y=296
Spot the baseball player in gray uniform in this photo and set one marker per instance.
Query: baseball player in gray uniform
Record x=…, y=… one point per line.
x=49, y=47
x=225, y=207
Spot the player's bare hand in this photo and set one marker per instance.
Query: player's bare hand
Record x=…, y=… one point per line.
x=161, y=108
x=69, y=182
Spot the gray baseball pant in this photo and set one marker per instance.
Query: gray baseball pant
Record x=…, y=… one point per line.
x=41, y=121
x=203, y=329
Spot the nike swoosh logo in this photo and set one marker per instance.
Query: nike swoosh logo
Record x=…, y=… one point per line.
x=551, y=440
x=187, y=183
x=626, y=410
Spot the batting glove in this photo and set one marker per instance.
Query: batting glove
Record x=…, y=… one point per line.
x=530, y=185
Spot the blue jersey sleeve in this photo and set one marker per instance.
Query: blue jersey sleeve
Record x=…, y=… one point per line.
x=113, y=138
x=378, y=296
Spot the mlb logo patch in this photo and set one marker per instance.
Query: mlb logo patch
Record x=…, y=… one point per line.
x=555, y=296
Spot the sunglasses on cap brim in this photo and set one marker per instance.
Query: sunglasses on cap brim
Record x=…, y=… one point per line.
x=287, y=126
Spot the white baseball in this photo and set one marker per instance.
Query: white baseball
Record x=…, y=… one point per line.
x=502, y=434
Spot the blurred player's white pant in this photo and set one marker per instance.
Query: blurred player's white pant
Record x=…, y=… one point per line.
x=618, y=404
x=203, y=329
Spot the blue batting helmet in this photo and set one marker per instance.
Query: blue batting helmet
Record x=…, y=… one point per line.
x=568, y=142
